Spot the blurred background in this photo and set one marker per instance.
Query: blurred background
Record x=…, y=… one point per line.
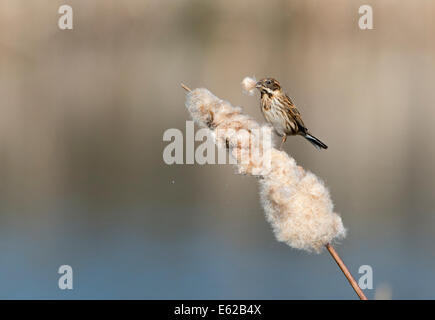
x=82, y=176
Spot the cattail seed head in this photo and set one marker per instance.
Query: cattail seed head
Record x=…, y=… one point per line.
x=296, y=202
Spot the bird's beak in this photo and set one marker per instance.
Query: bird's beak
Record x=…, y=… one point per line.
x=258, y=84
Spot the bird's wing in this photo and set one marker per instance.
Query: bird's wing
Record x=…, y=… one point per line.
x=296, y=115
x=289, y=100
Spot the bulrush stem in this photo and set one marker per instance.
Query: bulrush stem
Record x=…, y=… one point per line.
x=346, y=272
x=185, y=87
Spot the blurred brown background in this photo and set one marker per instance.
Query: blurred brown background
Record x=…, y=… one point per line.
x=83, y=112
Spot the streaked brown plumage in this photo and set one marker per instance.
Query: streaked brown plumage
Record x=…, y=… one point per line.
x=279, y=110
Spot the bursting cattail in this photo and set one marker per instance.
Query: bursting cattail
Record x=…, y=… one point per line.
x=296, y=202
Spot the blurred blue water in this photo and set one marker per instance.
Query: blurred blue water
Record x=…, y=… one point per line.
x=132, y=262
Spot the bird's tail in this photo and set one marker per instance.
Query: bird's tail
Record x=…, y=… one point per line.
x=316, y=142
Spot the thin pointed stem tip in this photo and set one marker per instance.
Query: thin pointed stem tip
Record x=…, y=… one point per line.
x=185, y=87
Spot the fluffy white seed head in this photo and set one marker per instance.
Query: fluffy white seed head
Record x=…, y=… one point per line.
x=248, y=85
x=296, y=202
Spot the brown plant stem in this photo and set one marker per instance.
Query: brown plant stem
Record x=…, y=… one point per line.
x=185, y=87
x=346, y=272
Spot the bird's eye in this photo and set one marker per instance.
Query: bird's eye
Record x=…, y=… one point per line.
x=268, y=82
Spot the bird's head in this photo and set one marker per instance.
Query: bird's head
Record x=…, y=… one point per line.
x=268, y=85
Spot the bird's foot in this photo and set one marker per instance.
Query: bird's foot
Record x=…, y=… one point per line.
x=282, y=142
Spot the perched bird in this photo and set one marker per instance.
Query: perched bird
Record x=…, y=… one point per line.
x=279, y=110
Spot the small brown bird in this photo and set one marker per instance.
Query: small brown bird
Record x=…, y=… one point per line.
x=279, y=110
